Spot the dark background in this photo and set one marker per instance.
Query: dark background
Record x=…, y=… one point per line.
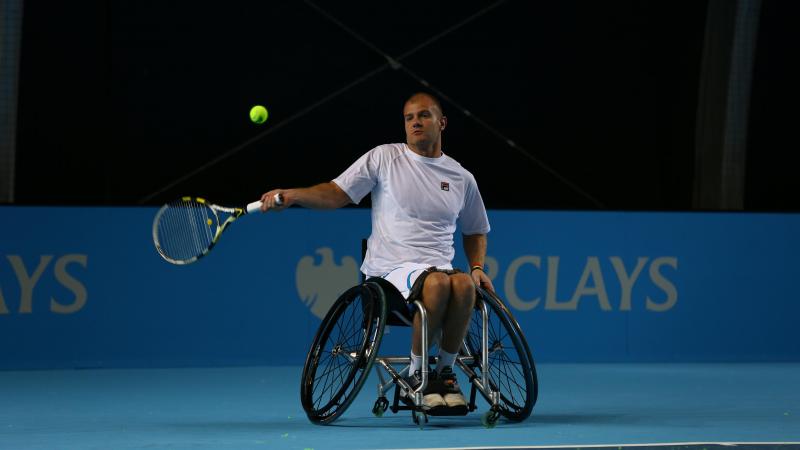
x=120, y=99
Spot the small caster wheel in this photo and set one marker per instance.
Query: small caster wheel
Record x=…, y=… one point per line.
x=420, y=418
x=489, y=418
x=380, y=407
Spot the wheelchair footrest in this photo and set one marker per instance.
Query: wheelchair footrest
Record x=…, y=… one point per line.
x=445, y=411
x=438, y=411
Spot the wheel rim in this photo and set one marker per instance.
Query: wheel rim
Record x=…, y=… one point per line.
x=510, y=369
x=341, y=356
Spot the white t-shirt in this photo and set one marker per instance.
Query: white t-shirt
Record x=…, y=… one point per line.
x=416, y=202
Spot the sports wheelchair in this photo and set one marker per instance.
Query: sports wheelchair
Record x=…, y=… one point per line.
x=494, y=356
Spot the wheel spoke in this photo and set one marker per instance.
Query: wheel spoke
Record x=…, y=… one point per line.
x=326, y=386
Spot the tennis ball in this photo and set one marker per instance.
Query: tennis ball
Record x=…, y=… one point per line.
x=258, y=114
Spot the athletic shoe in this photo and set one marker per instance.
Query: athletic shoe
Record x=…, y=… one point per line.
x=431, y=398
x=451, y=392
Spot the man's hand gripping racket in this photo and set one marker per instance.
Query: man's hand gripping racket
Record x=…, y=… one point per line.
x=187, y=229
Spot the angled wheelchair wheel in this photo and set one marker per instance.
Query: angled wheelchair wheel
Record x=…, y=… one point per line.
x=512, y=371
x=342, y=354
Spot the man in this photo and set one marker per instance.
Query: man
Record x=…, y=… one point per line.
x=418, y=194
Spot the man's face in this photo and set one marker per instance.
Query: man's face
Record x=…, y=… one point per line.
x=424, y=122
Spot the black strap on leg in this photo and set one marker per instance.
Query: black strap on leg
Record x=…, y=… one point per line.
x=399, y=313
x=416, y=289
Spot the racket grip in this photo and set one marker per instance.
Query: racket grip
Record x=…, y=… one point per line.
x=253, y=207
x=256, y=205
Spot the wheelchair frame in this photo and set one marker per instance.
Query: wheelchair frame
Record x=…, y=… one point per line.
x=399, y=383
x=362, y=357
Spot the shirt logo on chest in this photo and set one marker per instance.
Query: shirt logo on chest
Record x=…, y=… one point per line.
x=445, y=186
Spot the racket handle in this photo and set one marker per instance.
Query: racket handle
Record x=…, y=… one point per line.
x=253, y=207
x=256, y=205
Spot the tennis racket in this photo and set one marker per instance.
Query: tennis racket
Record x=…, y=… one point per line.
x=187, y=229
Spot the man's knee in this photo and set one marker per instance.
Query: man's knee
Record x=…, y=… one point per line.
x=463, y=291
x=436, y=289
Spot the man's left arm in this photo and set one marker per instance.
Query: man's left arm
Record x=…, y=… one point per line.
x=475, y=249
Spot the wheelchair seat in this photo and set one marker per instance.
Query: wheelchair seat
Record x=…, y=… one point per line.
x=399, y=310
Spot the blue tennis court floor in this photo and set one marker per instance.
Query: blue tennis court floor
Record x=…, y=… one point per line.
x=580, y=405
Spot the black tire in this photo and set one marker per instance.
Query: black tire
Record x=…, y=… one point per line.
x=512, y=371
x=341, y=356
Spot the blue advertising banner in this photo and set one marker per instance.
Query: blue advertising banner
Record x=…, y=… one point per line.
x=84, y=287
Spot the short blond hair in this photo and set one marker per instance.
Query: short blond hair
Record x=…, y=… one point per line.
x=430, y=96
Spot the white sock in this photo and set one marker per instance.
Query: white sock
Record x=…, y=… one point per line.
x=445, y=360
x=416, y=363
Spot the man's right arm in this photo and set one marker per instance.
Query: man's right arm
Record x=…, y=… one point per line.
x=322, y=196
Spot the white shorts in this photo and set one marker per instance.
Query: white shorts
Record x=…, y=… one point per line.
x=403, y=276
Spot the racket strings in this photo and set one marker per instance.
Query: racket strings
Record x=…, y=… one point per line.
x=186, y=230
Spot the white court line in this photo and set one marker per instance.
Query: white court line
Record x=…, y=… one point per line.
x=660, y=444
